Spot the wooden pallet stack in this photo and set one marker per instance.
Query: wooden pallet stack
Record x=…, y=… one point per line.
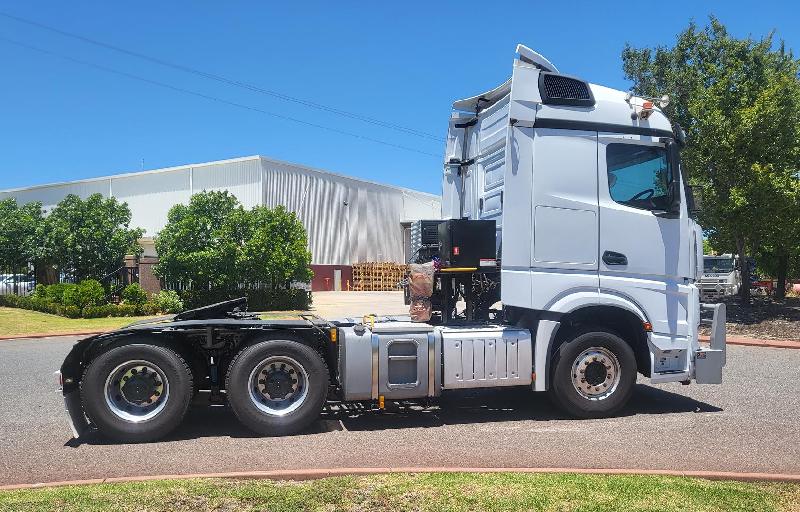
x=377, y=276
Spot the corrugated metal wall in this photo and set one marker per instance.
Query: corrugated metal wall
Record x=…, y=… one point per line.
x=348, y=220
x=150, y=196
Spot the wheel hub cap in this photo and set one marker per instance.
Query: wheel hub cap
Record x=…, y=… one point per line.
x=279, y=385
x=596, y=373
x=136, y=391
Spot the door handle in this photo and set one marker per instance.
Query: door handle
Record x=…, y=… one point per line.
x=614, y=258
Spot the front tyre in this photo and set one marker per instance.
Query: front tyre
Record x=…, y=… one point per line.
x=277, y=387
x=136, y=393
x=593, y=374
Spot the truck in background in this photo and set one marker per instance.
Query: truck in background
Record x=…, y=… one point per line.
x=567, y=262
x=722, y=277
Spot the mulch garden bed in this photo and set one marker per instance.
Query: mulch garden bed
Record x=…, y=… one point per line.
x=762, y=318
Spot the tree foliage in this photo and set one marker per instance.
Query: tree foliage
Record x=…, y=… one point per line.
x=89, y=238
x=20, y=228
x=739, y=102
x=215, y=243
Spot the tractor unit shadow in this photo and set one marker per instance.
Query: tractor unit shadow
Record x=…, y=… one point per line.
x=478, y=406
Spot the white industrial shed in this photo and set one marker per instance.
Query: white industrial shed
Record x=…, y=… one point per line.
x=348, y=220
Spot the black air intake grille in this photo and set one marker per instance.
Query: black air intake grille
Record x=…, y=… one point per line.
x=564, y=90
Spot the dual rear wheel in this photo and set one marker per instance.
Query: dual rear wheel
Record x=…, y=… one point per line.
x=140, y=392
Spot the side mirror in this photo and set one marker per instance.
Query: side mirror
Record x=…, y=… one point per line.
x=694, y=198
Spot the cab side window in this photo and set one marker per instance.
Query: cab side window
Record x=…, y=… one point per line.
x=639, y=176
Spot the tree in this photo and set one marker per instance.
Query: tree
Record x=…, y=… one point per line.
x=214, y=243
x=192, y=247
x=87, y=239
x=739, y=102
x=276, y=250
x=19, y=227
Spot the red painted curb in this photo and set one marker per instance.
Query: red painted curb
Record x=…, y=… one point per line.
x=756, y=342
x=312, y=474
x=50, y=335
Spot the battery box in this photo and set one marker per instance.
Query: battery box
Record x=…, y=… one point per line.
x=467, y=243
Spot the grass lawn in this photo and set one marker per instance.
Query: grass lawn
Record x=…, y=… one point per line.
x=15, y=321
x=436, y=492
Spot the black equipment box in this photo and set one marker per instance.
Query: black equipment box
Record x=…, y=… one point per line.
x=468, y=243
x=424, y=240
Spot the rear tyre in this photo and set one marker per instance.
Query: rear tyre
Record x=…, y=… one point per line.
x=593, y=374
x=277, y=387
x=137, y=393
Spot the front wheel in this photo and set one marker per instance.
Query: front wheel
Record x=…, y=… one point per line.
x=593, y=374
x=277, y=387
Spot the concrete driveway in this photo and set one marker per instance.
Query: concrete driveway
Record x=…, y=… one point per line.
x=747, y=424
x=357, y=304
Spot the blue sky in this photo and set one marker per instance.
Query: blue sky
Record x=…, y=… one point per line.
x=403, y=63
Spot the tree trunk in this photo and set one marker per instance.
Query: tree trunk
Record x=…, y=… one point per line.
x=744, y=266
x=783, y=263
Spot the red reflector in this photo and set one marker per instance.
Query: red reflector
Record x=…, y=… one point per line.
x=456, y=251
x=647, y=105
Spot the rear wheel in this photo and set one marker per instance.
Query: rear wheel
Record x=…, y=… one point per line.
x=277, y=387
x=137, y=392
x=593, y=374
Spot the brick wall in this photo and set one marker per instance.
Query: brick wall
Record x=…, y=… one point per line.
x=147, y=279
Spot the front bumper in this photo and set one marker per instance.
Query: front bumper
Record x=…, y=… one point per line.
x=72, y=404
x=709, y=361
x=717, y=290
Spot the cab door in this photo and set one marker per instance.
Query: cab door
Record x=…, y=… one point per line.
x=644, y=251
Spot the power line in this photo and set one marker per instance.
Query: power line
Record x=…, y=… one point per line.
x=212, y=98
x=229, y=81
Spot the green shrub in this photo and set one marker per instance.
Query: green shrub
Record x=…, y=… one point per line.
x=69, y=311
x=127, y=310
x=149, y=308
x=101, y=311
x=87, y=293
x=9, y=301
x=167, y=301
x=40, y=304
x=134, y=294
x=40, y=292
x=106, y=310
x=55, y=292
x=31, y=302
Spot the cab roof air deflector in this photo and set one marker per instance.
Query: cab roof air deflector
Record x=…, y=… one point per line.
x=488, y=98
x=535, y=58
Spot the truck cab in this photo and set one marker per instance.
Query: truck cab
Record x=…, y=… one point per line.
x=566, y=261
x=593, y=214
x=722, y=276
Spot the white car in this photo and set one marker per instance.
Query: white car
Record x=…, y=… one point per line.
x=24, y=284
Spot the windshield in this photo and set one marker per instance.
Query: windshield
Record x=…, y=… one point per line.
x=639, y=176
x=718, y=265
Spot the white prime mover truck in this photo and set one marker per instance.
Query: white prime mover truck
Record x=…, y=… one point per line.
x=567, y=263
x=721, y=277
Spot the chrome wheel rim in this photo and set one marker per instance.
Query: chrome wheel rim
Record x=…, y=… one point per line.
x=596, y=373
x=136, y=391
x=278, y=385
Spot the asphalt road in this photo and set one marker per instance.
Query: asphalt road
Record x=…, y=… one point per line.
x=750, y=423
